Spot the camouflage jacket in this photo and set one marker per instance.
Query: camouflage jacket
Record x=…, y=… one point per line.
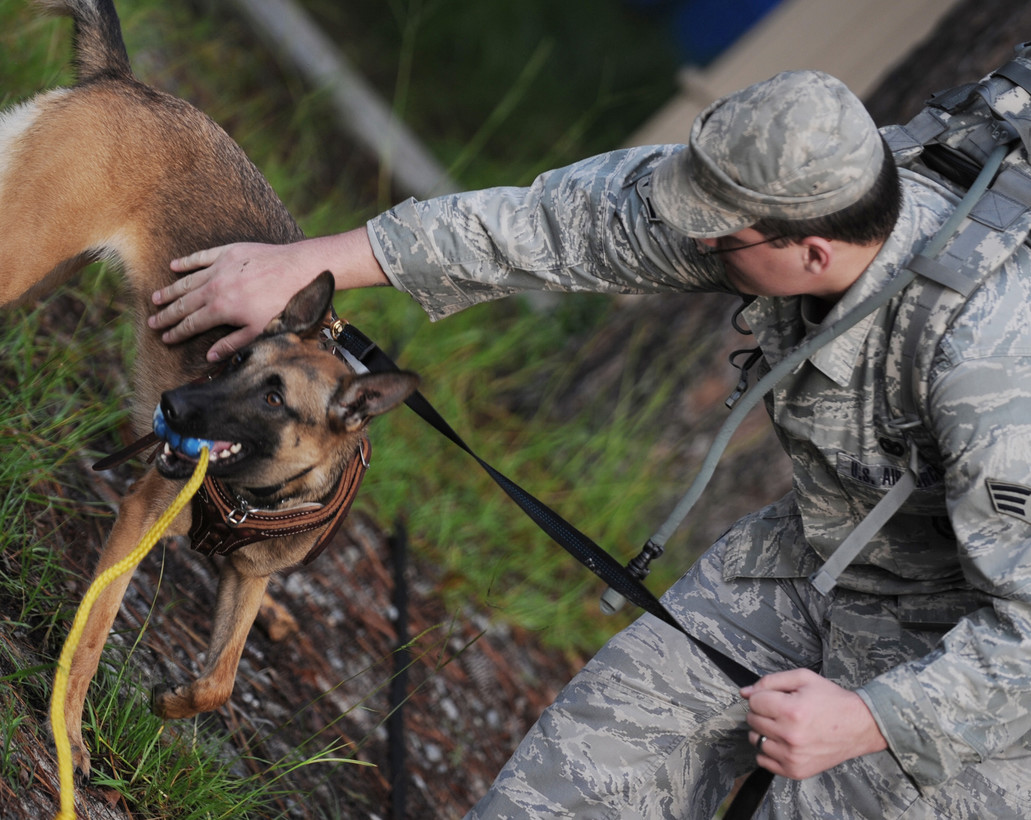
x=960, y=548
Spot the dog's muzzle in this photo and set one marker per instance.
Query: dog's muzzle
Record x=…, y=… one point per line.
x=188, y=446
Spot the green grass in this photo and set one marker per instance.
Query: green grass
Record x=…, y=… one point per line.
x=601, y=474
x=182, y=770
x=499, y=93
x=49, y=414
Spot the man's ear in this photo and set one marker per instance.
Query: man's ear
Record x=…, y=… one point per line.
x=818, y=254
x=306, y=309
x=359, y=398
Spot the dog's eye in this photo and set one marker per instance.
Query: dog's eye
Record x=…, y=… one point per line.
x=274, y=399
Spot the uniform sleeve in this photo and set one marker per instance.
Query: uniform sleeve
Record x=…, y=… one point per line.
x=971, y=698
x=585, y=227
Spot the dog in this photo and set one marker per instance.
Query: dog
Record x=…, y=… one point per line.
x=111, y=168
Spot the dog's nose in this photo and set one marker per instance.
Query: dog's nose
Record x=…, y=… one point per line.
x=170, y=406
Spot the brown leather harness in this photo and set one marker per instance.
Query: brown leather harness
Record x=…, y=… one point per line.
x=223, y=523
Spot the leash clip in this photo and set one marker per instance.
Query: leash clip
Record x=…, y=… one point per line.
x=611, y=600
x=336, y=328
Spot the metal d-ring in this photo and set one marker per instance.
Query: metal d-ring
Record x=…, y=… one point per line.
x=234, y=518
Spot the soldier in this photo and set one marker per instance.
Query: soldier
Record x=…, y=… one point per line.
x=904, y=691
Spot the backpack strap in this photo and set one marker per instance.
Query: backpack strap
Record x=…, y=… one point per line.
x=826, y=577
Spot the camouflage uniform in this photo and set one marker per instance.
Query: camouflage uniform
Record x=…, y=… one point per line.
x=931, y=625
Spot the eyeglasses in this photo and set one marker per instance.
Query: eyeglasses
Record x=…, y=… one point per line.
x=706, y=250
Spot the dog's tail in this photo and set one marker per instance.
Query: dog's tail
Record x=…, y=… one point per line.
x=99, y=47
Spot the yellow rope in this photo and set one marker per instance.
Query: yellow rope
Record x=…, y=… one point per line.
x=66, y=775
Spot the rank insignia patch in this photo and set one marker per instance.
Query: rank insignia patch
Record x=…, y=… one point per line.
x=1010, y=499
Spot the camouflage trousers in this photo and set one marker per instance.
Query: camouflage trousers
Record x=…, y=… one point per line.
x=651, y=729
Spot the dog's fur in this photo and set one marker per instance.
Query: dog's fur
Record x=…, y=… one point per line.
x=112, y=168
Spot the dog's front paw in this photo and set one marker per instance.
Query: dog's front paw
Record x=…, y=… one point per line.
x=81, y=762
x=173, y=704
x=205, y=694
x=163, y=700
x=79, y=749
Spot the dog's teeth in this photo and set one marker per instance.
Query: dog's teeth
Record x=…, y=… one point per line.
x=236, y=448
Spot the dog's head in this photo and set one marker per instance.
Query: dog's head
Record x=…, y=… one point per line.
x=283, y=415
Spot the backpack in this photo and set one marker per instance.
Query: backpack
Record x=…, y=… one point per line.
x=949, y=142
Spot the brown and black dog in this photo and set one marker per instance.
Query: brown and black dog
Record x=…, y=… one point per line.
x=111, y=168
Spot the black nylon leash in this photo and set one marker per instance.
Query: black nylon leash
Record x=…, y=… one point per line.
x=562, y=532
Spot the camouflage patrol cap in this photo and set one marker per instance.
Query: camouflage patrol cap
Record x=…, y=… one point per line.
x=797, y=146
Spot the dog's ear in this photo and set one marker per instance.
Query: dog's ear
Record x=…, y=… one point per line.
x=306, y=309
x=359, y=398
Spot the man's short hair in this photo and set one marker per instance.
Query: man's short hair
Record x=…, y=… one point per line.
x=867, y=221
